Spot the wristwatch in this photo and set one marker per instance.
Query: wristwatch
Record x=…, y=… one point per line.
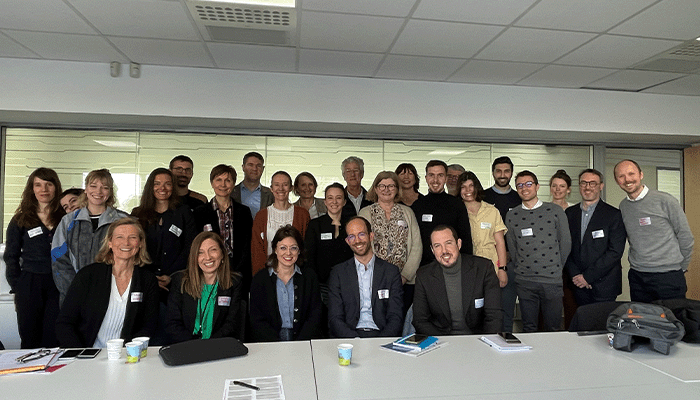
x=503, y=268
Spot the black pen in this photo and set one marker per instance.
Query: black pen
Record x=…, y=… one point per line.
x=239, y=383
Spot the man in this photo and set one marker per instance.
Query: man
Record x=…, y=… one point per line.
x=539, y=242
x=453, y=173
x=504, y=198
x=182, y=168
x=353, y=170
x=661, y=242
x=439, y=208
x=456, y=294
x=597, y=243
x=250, y=192
x=365, y=298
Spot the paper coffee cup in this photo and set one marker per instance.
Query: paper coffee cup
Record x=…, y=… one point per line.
x=133, y=352
x=144, y=348
x=114, y=349
x=344, y=354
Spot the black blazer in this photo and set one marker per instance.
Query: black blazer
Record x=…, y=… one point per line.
x=182, y=311
x=598, y=259
x=265, y=317
x=242, y=230
x=323, y=253
x=349, y=208
x=87, y=300
x=344, y=299
x=431, y=309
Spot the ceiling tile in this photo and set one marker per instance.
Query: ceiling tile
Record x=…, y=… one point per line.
x=501, y=12
x=533, y=45
x=139, y=18
x=581, y=15
x=338, y=62
x=633, y=80
x=443, y=39
x=63, y=46
x=164, y=52
x=689, y=86
x=495, y=72
x=392, y=8
x=42, y=15
x=616, y=51
x=418, y=68
x=254, y=58
x=670, y=19
x=10, y=48
x=565, y=77
x=348, y=32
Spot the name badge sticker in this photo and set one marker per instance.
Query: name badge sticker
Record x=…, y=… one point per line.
x=136, y=297
x=383, y=293
x=34, y=232
x=485, y=225
x=401, y=223
x=175, y=230
x=598, y=234
x=208, y=228
x=326, y=236
x=526, y=232
x=223, y=301
x=427, y=218
x=645, y=221
x=479, y=303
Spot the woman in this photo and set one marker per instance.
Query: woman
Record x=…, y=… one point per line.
x=113, y=298
x=487, y=227
x=408, y=184
x=81, y=233
x=169, y=227
x=228, y=218
x=28, y=259
x=69, y=199
x=205, y=299
x=285, y=303
x=268, y=220
x=305, y=187
x=396, y=234
x=560, y=188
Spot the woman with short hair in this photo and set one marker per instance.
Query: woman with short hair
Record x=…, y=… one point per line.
x=408, y=183
x=305, y=187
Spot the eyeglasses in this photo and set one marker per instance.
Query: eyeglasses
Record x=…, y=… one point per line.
x=591, y=184
x=382, y=186
x=181, y=170
x=352, y=238
x=292, y=249
x=527, y=184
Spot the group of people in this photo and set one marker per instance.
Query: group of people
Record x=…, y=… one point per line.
x=356, y=263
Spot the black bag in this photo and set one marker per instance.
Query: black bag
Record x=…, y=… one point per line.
x=688, y=312
x=195, y=351
x=651, y=321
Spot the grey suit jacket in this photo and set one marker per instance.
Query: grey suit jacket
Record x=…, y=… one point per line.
x=266, y=196
x=344, y=299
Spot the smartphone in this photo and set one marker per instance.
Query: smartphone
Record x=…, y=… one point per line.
x=89, y=353
x=509, y=337
x=416, y=339
x=70, y=354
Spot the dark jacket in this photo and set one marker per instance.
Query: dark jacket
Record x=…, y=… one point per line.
x=34, y=250
x=344, y=299
x=597, y=258
x=87, y=300
x=322, y=250
x=182, y=311
x=265, y=317
x=431, y=308
x=349, y=208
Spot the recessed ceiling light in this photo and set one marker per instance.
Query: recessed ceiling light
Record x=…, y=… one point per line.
x=116, y=143
x=278, y=3
x=446, y=152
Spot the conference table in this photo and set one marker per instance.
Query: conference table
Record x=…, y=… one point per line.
x=559, y=365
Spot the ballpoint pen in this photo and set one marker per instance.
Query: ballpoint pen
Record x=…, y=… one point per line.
x=246, y=385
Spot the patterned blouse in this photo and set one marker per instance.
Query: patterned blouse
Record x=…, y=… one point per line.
x=390, y=235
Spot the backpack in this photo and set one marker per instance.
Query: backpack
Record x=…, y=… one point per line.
x=654, y=322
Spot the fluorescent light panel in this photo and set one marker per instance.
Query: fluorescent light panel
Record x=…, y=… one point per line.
x=277, y=3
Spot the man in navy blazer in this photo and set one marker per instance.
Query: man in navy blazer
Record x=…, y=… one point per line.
x=365, y=297
x=598, y=241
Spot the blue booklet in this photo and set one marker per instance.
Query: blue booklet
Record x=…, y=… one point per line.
x=410, y=343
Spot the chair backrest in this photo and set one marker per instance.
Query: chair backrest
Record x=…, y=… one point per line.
x=593, y=317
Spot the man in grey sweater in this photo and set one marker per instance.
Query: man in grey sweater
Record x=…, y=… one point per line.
x=539, y=242
x=661, y=242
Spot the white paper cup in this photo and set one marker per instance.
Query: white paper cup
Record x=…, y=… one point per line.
x=144, y=348
x=133, y=352
x=114, y=349
x=344, y=354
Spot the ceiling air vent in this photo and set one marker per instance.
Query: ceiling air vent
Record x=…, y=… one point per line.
x=684, y=58
x=245, y=23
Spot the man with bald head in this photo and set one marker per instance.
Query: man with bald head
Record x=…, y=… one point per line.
x=660, y=239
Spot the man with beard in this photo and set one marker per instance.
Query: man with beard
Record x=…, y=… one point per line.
x=183, y=169
x=456, y=294
x=365, y=298
x=250, y=192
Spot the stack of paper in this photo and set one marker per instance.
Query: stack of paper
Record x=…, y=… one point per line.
x=500, y=344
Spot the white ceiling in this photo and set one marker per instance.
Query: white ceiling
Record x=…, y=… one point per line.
x=592, y=44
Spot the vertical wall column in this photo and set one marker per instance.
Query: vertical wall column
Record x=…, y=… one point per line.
x=691, y=195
